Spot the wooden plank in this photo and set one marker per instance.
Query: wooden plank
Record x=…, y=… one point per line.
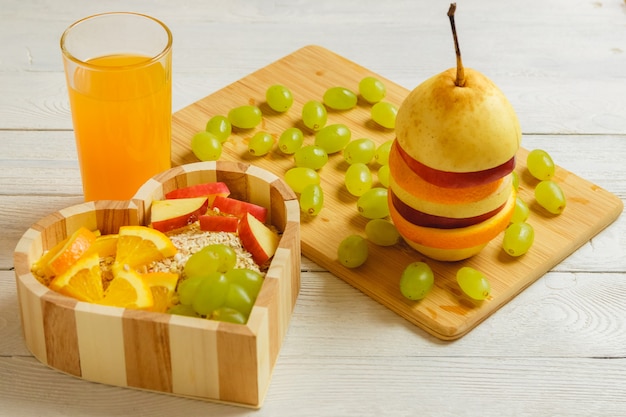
x=445, y=313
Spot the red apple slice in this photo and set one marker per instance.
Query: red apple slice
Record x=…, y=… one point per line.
x=213, y=223
x=168, y=215
x=239, y=208
x=257, y=238
x=209, y=190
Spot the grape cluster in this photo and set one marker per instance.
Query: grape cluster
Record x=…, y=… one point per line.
x=215, y=289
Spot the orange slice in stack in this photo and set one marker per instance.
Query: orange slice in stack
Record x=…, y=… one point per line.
x=61, y=257
x=162, y=285
x=104, y=245
x=82, y=280
x=138, y=246
x=128, y=290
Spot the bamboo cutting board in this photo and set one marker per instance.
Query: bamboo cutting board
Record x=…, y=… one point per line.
x=445, y=313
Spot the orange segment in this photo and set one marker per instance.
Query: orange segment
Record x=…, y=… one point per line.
x=104, y=246
x=75, y=246
x=82, y=280
x=162, y=285
x=460, y=238
x=127, y=289
x=140, y=245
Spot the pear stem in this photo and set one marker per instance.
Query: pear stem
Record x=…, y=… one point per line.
x=460, y=72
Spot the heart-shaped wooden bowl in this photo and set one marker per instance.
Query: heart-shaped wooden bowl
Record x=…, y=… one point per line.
x=172, y=354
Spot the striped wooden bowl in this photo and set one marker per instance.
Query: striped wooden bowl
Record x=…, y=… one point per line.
x=172, y=354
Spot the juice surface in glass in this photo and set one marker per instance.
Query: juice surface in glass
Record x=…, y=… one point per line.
x=121, y=111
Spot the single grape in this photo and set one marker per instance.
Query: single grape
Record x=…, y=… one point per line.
x=245, y=117
x=290, y=140
x=340, y=98
x=311, y=156
x=206, y=146
x=473, y=283
x=299, y=177
x=384, y=113
x=187, y=289
x=521, y=211
x=220, y=127
x=373, y=203
x=312, y=199
x=239, y=299
x=372, y=89
x=247, y=278
x=359, y=150
x=260, y=143
x=229, y=315
x=314, y=115
x=279, y=98
x=352, y=251
x=518, y=238
x=540, y=164
x=382, y=232
x=333, y=138
x=182, y=310
x=358, y=179
x=515, y=179
x=215, y=257
x=382, y=152
x=210, y=294
x=550, y=196
x=416, y=281
x=383, y=175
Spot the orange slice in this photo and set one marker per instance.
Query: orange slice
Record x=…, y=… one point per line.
x=162, y=285
x=75, y=246
x=82, y=280
x=127, y=289
x=104, y=245
x=140, y=245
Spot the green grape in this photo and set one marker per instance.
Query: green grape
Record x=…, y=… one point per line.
x=249, y=279
x=540, y=164
x=550, y=196
x=211, y=258
x=473, y=283
x=312, y=199
x=518, y=238
x=359, y=150
x=290, y=140
x=314, y=115
x=182, y=310
x=358, y=179
x=187, y=289
x=340, y=98
x=245, y=117
x=416, y=281
x=515, y=179
x=260, y=143
x=352, y=251
x=382, y=232
x=239, y=299
x=229, y=315
x=299, y=177
x=311, y=156
x=521, y=211
x=279, y=98
x=372, y=89
x=206, y=146
x=210, y=294
x=383, y=175
x=382, y=152
x=384, y=113
x=373, y=203
x=219, y=126
x=333, y=138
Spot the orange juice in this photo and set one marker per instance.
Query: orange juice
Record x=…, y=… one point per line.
x=121, y=111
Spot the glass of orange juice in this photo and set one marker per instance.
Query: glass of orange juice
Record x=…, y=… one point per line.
x=119, y=79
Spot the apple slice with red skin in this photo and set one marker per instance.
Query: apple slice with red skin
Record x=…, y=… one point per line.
x=449, y=179
x=239, y=208
x=208, y=189
x=168, y=215
x=218, y=223
x=257, y=238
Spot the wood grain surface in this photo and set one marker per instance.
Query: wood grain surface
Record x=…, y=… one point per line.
x=446, y=312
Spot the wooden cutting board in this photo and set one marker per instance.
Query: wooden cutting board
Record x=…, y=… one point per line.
x=445, y=313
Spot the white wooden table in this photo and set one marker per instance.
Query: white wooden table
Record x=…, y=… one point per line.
x=558, y=349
